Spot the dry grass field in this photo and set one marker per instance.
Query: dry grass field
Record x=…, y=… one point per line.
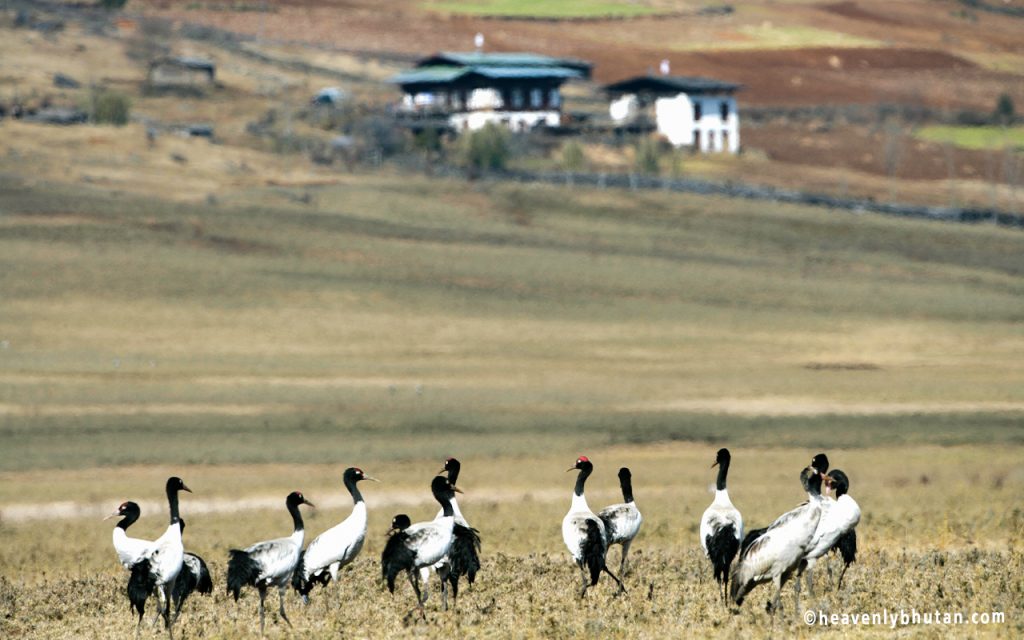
x=926, y=542
x=261, y=344
x=255, y=323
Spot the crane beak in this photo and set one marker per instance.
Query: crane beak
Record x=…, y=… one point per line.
x=443, y=470
x=570, y=469
x=184, y=488
x=113, y=515
x=370, y=478
x=714, y=465
x=456, y=489
x=304, y=501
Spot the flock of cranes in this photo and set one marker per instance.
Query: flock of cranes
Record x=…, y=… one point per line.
x=449, y=547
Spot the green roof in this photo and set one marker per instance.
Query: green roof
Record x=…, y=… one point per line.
x=447, y=68
x=429, y=75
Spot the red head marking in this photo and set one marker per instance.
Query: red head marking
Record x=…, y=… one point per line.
x=583, y=459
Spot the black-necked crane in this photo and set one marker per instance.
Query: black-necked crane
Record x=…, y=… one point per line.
x=837, y=528
x=336, y=547
x=194, y=576
x=584, y=534
x=422, y=544
x=820, y=464
x=129, y=550
x=622, y=521
x=721, y=526
x=270, y=563
x=775, y=555
x=464, y=557
x=158, y=568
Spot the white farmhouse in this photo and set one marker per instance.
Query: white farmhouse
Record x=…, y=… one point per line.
x=469, y=90
x=691, y=112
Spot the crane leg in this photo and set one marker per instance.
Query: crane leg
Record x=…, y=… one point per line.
x=841, y=574
x=424, y=577
x=622, y=588
x=263, y=596
x=168, y=600
x=776, y=603
x=280, y=593
x=454, y=580
x=625, y=552
x=416, y=589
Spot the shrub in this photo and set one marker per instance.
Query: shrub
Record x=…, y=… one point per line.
x=379, y=135
x=647, y=157
x=572, y=156
x=110, y=107
x=487, y=148
x=428, y=140
x=113, y=5
x=1005, y=111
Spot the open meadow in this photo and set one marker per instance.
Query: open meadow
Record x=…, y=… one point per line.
x=253, y=318
x=261, y=343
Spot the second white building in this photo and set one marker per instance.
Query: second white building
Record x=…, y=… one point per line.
x=699, y=113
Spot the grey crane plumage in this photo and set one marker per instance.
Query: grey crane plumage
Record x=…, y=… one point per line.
x=622, y=521
x=270, y=563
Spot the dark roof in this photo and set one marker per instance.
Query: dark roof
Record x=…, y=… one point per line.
x=672, y=85
x=446, y=75
x=476, y=67
x=504, y=59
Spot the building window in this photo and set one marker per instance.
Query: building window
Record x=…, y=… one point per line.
x=697, y=110
x=517, y=98
x=536, y=98
x=555, y=99
x=725, y=110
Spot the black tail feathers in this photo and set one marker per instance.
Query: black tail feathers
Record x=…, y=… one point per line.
x=242, y=571
x=205, y=583
x=594, y=550
x=464, y=554
x=722, y=548
x=141, y=583
x=396, y=558
x=847, y=546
